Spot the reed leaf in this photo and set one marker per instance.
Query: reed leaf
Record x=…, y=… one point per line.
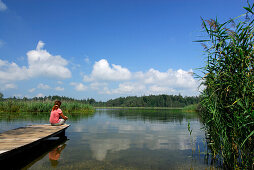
x=227, y=100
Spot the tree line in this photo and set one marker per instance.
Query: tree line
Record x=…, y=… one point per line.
x=151, y=101
x=130, y=101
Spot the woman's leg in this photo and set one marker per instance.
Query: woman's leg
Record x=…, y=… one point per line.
x=61, y=122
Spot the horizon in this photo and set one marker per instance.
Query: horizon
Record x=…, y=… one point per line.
x=104, y=49
x=18, y=98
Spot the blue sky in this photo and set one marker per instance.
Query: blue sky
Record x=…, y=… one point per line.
x=104, y=49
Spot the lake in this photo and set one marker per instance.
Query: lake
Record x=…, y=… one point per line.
x=122, y=139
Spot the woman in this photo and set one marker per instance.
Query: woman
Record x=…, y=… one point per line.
x=54, y=155
x=56, y=112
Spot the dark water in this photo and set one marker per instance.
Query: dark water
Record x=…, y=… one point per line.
x=122, y=139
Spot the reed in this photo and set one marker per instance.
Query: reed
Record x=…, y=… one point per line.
x=191, y=108
x=14, y=106
x=227, y=100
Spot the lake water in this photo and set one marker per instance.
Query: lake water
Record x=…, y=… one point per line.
x=122, y=139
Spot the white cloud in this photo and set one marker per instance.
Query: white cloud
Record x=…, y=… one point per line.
x=155, y=89
x=97, y=85
x=40, y=45
x=169, y=82
x=170, y=78
x=40, y=63
x=74, y=66
x=8, y=86
x=87, y=60
x=102, y=88
x=40, y=95
x=43, y=86
x=59, y=88
x=79, y=86
x=59, y=82
x=3, y=7
x=32, y=90
x=141, y=83
x=102, y=71
x=129, y=88
x=11, y=71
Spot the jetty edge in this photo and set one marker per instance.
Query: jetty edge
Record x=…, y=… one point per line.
x=19, y=140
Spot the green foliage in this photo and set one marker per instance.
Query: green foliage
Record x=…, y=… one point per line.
x=189, y=129
x=74, y=107
x=227, y=100
x=16, y=105
x=130, y=101
x=150, y=101
x=191, y=108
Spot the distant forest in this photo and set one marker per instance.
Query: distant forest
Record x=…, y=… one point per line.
x=151, y=101
x=130, y=101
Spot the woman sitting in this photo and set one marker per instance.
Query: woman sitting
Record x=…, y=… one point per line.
x=56, y=117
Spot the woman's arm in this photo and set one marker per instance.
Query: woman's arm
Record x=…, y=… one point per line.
x=64, y=117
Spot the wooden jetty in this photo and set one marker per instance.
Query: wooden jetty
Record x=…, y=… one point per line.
x=24, y=138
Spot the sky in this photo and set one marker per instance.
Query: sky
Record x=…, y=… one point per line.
x=104, y=49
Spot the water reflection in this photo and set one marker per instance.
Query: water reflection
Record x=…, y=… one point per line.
x=151, y=115
x=44, y=116
x=10, y=121
x=129, y=139
x=54, y=155
x=121, y=130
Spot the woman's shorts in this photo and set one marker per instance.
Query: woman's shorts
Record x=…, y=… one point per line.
x=61, y=122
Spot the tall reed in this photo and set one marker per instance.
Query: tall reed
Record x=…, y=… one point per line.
x=227, y=100
x=43, y=106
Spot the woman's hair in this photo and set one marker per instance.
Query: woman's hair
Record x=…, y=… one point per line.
x=56, y=105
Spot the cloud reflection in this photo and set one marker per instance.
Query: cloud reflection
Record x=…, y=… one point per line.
x=101, y=147
x=111, y=135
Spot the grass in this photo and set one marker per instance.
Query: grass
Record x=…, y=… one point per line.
x=14, y=106
x=165, y=108
x=191, y=108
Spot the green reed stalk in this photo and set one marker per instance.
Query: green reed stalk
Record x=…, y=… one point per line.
x=227, y=100
x=14, y=106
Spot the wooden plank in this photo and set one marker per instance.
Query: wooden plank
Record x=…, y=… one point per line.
x=16, y=138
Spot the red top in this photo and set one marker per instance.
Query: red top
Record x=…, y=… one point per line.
x=54, y=116
x=54, y=154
